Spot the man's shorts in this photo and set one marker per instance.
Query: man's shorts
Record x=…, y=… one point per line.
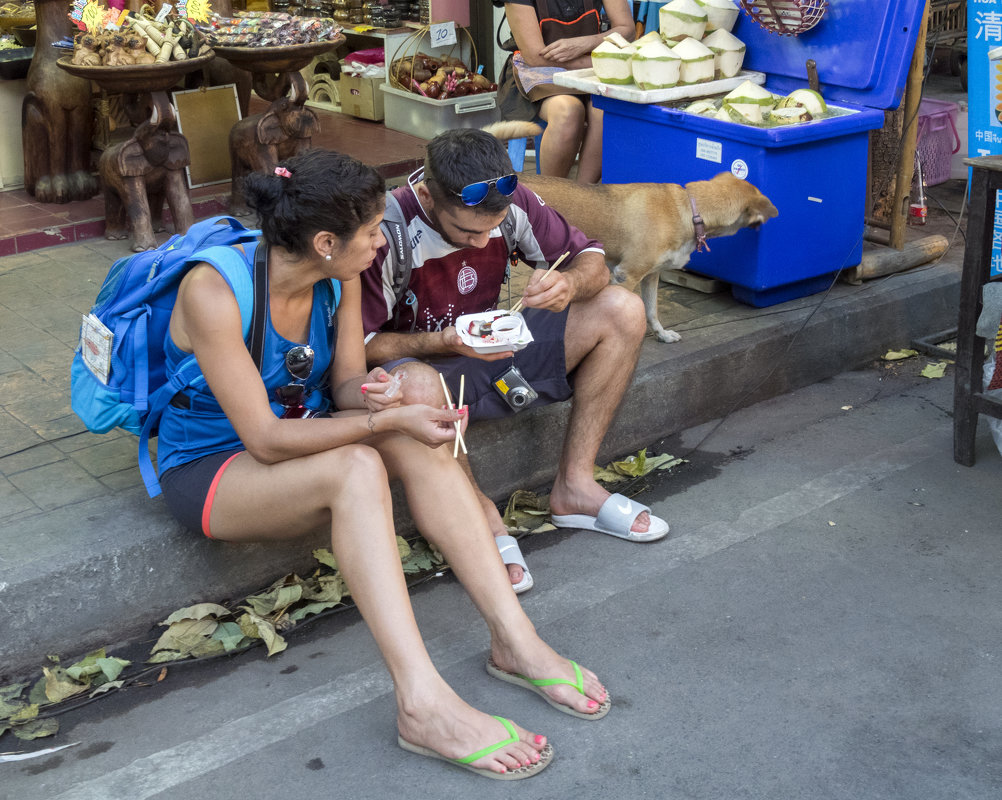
x=542, y=364
x=190, y=488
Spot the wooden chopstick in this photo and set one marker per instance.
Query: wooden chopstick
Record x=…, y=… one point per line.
x=448, y=400
x=455, y=444
x=518, y=306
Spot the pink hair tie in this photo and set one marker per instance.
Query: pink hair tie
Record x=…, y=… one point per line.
x=282, y=172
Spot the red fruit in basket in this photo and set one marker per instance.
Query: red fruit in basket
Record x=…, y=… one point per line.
x=434, y=90
x=493, y=87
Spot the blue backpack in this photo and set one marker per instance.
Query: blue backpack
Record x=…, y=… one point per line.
x=135, y=304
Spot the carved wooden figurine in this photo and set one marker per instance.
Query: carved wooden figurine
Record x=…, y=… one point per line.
x=138, y=175
x=260, y=141
x=56, y=118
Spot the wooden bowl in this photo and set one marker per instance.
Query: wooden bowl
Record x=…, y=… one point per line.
x=138, y=78
x=9, y=23
x=282, y=58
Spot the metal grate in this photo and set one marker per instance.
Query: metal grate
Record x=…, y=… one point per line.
x=786, y=17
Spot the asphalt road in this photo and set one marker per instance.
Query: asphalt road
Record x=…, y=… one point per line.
x=823, y=622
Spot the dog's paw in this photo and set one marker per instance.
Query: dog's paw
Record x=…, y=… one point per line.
x=668, y=337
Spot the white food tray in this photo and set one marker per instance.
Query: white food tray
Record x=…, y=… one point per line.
x=500, y=341
x=585, y=80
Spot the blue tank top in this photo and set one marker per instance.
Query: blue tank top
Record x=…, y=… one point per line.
x=187, y=434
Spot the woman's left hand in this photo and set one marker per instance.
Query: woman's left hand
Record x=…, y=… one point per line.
x=382, y=390
x=564, y=50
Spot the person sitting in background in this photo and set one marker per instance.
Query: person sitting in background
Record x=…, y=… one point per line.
x=311, y=440
x=586, y=332
x=555, y=35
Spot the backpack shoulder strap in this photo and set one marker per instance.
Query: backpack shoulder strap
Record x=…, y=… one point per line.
x=400, y=247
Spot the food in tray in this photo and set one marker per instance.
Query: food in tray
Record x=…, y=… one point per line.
x=750, y=104
x=728, y=53
x=697, y=62
x=438, y=77
x=682, y=19
x=655, y=66
x=493, y=331
x=720, y=14
x=267, y=29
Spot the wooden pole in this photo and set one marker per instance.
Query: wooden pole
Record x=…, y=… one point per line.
x=909, y=137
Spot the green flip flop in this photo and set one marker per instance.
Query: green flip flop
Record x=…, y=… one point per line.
x=537, y=687
x=545, y=756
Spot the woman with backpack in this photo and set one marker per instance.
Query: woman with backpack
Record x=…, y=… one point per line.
x=308, y=439
x=552, y=36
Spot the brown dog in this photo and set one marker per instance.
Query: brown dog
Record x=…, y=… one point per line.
x=647, y=227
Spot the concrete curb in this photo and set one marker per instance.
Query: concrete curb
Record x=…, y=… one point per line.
x=107, y=569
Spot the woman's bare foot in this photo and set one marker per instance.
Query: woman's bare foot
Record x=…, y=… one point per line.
x=443, y=722
x=539, y=661
x=588, y=499
x=497, y=526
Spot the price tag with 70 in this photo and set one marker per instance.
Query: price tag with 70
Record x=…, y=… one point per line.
x=443, y=33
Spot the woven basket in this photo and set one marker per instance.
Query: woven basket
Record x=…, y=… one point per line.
x=786, y=17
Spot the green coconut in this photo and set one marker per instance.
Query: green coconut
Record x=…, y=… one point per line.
x=705, y=108
x=612, y=64
x=697, y=62
x=681, y=19
x=655, y=66
x=728, y=53
x=748, y=103
x=789, y=115
x=720, y=14
x=805, y=98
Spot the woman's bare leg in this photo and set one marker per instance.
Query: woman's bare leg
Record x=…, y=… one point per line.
x=347, y=489
x=565, y=128
x=590, y=161
x=449, y=515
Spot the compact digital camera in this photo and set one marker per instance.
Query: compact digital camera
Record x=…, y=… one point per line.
x=515, y=389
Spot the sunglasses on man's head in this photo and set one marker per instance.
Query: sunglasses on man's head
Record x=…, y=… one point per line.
x=473, y=194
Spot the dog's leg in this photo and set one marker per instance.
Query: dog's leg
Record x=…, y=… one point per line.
x=649, y=293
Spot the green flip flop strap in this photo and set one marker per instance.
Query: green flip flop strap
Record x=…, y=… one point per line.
x=513, y=737
x=577, y=683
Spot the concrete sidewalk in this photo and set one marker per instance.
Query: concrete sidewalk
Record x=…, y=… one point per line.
x=86, y=559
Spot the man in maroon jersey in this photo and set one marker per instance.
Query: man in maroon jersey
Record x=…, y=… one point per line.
x=586, y=333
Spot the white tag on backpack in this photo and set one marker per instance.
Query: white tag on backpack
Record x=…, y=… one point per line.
x=95, y=346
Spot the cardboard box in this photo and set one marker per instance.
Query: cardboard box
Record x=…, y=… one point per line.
x=360, y=97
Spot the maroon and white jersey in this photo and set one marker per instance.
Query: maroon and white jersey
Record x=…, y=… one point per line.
x=448, y=282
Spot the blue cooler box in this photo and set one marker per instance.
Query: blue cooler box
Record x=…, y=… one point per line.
x=814, y=173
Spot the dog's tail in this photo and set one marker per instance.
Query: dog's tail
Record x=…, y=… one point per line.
x=512, y=129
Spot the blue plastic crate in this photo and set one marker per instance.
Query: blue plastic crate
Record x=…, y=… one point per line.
x=814, y=173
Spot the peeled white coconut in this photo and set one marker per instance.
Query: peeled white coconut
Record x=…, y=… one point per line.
x=705, y=108
x=681, y=19
x=655, y=66
x=720, y=14
x=748, y=102
x=697, y=62
x=728, y=53
x=789, y=115
x=804, y=98
x=611, y=64
x=650, y=36
x=723, y=115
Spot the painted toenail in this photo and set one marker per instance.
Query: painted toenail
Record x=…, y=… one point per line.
x=592, y=704
x=540, y=738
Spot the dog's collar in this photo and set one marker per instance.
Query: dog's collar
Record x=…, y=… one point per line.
x=698, y=227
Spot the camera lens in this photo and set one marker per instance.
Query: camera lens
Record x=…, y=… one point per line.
x=518, y=397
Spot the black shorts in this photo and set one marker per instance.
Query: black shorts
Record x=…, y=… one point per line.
x=189, y=489
x=542, y=364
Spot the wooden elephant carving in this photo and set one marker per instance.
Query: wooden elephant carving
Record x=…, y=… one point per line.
x=140, y=174
x=57, y=120
x=260, y=141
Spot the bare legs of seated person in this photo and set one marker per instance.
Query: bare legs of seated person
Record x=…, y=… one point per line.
x=573, y=132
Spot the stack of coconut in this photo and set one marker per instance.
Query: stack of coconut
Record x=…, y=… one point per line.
x=694, y=45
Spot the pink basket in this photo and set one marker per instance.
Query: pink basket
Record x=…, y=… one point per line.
x=938, y=139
